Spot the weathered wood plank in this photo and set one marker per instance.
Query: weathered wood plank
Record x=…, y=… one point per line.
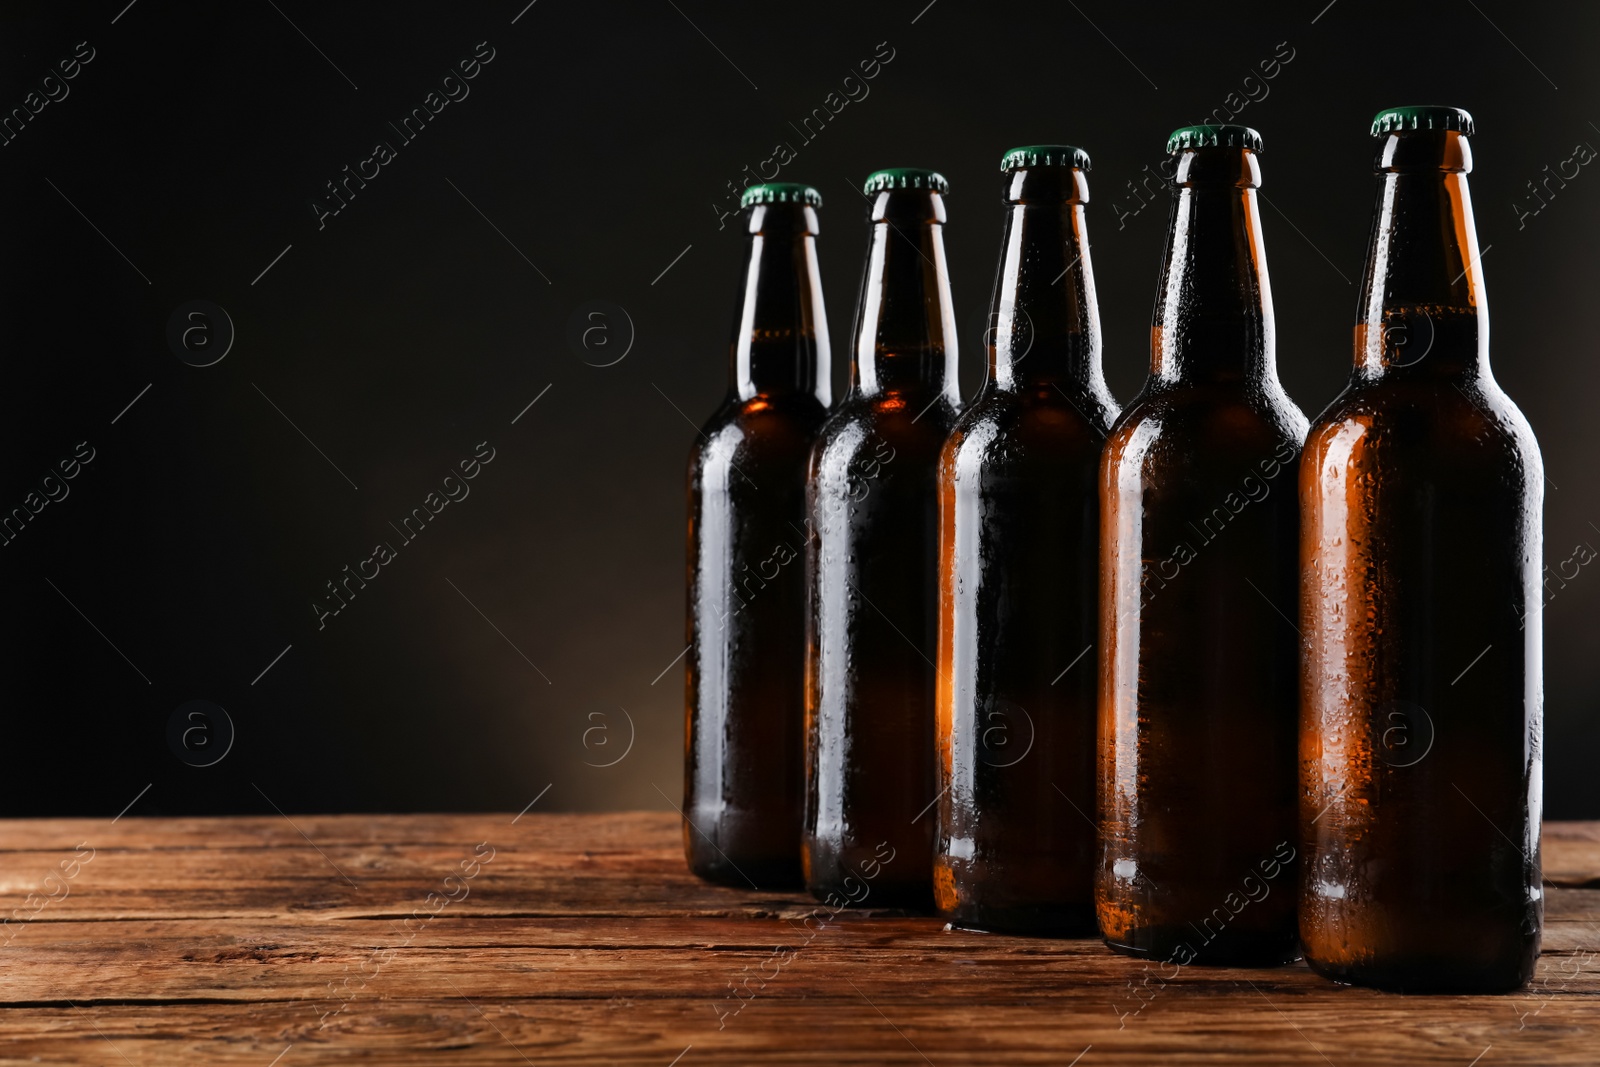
x=170, y=961
x=582, y=939
x=867, y=1025
x=546, y=864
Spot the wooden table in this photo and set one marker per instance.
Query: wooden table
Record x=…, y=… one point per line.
x=582, y=939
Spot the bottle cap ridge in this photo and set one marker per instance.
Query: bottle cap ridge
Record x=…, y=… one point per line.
x=896, y=179
x=780, y=193
x=1044, y=155
x=1213, y=137
x=1421, y=117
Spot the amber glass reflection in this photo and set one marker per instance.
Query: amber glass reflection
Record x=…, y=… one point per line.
x=744, y=772
x=1422, y=490
x=1199, y=529
x=1020, y=516
x=870, y=682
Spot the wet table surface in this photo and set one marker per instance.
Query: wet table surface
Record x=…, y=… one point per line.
x=563, y=939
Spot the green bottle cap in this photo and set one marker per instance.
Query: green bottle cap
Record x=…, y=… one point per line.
x=1044, y=155
x=780, y=193
x=898, y=178
x=1213, y=137
x=1425, y=117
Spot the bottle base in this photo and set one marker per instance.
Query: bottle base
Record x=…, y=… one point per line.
x=1230, y=948
x=1426, y=976
x=846, y=893
x=748, y=872
x=860, y=877
x=1025, y=920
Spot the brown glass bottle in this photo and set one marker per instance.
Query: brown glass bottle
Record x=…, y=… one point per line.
x=1198, y=559
x=744, y=774
x=1422, y=492
x=873, y=566
x=1020, y=521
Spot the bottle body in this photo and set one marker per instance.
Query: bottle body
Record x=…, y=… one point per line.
x=744, y=767
x=872, y=567
x=874, y=618
x=1198, y=681
x=1422, y=497
x=1198, y=669
x=1020, y=516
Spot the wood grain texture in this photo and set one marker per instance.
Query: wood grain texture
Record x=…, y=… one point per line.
x=579, y=939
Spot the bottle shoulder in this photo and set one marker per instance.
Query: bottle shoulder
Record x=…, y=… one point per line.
x=1463, y=423
x=758, y=429
x=1202, y=422
x=916, y=422
x=1037, y=424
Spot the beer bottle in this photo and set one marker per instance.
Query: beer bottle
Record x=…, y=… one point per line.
x=1020, y=518
x=744, y=776
x=1422, y=495
x=873, y=565
x=1198, y=557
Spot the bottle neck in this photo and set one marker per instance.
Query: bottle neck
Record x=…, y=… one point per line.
x=1213, y=323
x=905, y=337
x=1044, y=324
x=1423, y=310
x=780, y=340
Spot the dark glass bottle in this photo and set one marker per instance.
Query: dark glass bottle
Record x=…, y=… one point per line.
x=744, y=774
x=1422, y=492
x=1198, y=558
x=873, y=566
x=1020, y=521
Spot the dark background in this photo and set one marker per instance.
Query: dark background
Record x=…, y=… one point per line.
x=411, y=327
